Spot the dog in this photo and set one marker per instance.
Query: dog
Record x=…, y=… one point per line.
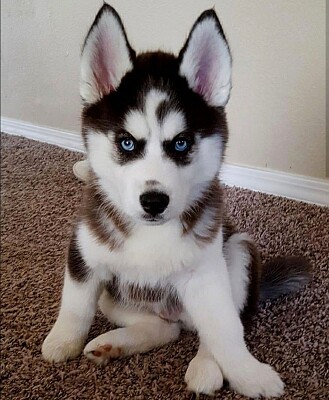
x=152, y=245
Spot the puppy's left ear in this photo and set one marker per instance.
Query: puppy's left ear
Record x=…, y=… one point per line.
x=106, y=56
x=205, y=60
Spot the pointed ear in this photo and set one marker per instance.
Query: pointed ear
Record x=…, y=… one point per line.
x=205, y=60
x=106, y=56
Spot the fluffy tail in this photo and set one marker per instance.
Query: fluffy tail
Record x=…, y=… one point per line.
x=283, y=276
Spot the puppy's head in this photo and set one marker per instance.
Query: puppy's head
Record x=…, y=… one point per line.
x=154, y=124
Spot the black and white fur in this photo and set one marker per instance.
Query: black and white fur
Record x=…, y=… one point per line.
x=152, y=244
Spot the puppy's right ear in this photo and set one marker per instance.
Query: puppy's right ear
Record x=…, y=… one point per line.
x=106, y=56
x=205, y=60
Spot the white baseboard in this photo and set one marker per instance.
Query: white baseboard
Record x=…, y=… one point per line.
x=297, y=187
x=59, y=137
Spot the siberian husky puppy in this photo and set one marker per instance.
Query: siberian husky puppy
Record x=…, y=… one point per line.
x=152, y=245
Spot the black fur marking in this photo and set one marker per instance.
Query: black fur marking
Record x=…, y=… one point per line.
x=154, y=71
x=284, y=275
x=76, y=265
x=254, y=273
x=228, y=228
x=122, y=156
x=180, y=157
x=165, y=108
x=143, y=296
x=209, y=201
x=152, y=182
x=97, y=209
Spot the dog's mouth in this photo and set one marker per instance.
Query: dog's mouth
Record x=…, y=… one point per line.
x=153, y=220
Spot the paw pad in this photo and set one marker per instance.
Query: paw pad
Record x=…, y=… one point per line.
x=103, y=353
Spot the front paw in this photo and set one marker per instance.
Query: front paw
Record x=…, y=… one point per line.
x=61, y=345
x=105, y=347
x=255, y=379
x=203, y=375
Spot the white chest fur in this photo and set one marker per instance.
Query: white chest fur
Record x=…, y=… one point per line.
x=151, y=254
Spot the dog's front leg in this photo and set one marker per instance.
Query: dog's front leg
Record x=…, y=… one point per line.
x=203, y=374
x=207, y=298
x=67, y=337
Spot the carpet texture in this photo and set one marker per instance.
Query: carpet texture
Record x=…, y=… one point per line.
x=40, y=197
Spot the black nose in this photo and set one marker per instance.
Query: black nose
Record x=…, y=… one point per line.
x=154, y=202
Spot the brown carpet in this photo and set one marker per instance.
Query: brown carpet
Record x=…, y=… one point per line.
x=39, y=200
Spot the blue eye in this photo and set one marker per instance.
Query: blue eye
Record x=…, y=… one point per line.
x=127, y=144
x=181, y=145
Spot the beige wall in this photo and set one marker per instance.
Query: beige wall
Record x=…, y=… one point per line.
x=277, y=109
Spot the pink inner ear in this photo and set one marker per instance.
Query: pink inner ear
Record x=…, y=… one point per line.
x=206, y=69
x=207, y=63
x=102, y=65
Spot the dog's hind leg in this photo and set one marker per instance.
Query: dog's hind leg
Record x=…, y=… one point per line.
x=244, y=269
x=141, y=332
